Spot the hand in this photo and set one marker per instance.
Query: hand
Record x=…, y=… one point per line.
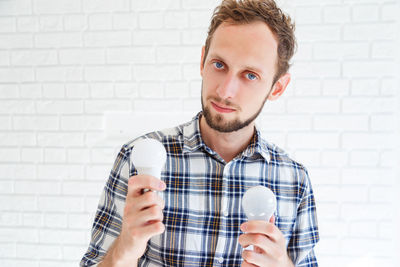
x=269, y=245
x=142, y=218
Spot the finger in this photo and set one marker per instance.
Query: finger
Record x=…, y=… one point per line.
x=272, y=219
x=147, y=200
x=262, y=244
x=153, y=213
x=262, y=227
x=148, y=231
x=137, y=183
x=255, y=259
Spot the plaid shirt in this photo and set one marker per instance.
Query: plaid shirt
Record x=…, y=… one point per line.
x=203, y=209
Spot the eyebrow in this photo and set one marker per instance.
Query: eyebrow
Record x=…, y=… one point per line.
x=248, y=67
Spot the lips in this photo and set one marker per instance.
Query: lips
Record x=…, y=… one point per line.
x=221, y=109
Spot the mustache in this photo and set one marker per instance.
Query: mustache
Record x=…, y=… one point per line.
x=226, y=102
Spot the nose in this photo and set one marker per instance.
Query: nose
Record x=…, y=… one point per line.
x=228, y=87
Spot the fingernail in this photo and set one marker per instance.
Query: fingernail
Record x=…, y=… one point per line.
x=162, y=185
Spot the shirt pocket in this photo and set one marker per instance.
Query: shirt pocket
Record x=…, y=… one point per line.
x=286, y=226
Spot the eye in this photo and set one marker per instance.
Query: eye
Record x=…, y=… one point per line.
x=218, y=65
x=251, y=76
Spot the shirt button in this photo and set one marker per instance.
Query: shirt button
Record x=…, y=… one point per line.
x=220, y=260
x=225, y=213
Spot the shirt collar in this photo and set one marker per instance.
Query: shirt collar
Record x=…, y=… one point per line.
x=194, y=142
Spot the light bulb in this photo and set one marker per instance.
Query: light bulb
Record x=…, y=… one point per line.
x=149, y=156
x=259, y=203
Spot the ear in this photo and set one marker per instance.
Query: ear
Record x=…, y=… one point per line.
x=279, y=87
x=202, y=60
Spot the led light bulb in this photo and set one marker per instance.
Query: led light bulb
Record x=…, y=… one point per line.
x=149, y=156
x=259, y=203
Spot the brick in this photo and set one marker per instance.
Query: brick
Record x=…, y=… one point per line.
x=365, y=13
x=381, y=194
x=5, y=58
x=125, y=21
x=151, y=90
x=389, y=12
x=363, y=229
x=388, y=159
x=365, y=87
x=344, y=51
x=364, y=158
x=304, y=105
x=77, y=90
x=16, y=7
x=336, y=14
x=369, y=69
x=82, y=188
x=177, y=90
x=73, y=253
x=389, y=87
x=24, y=171
x=35, y=123
x=78, y=155
x=18, y=203
x=318, y=33
x=286, y=122
x=150, y=20
x=357, y=212
x=178, y=55
x=17, y=139
x=60, y=203
x=310, y=158
x=101, y=90
x=75, y=22
x=58, y=40
x=53, y=91
x=304, y=52
x=108, y=73
x=59, y=7
x=8, y=24
x=101, y=106
x=361, y=32
x=35, y=251
x=8, y=41
x=50, y=23
x=155, y=5
x=176, y=20
x=368, y=105
x=329, y=210
x=334, y=158
x=5, y=123
x=151, y=37
x=59, y=107
x=28, y=24
x=126, y=90
x=192, y=4
x=54, y=155
x=341, y=123
x=80, y=221
x=82, y=56
x=100, y=22
x=79, y=123
x=307, y=87
x=332, y=228
x=17, y=262
x=368, y=141
x=162, y=72
x=10, y=219
x=31, y=91
x=6, y=187
x=16, y=75
x=31, y=155
x=383, y=123
x=136, y=55
x=317, y=69
x=57, y=74
x=37, y=188
x=60, y=139
x=60, y=171
x=34, y=219
x=56, y=220
x=91, y=6
x=336, y=87
x=11, y=235
x=370, y=176
x=386, y=230
x=191, y=71
x=313, y=141
x=383, y=50
x=325, y=176
x=194, y=37
x=364, y=246
x=10, y=155
x=157, y=105
x=308, y=15
x=9, y=92
x=97, y=172
x=58, y=237
x=199, y=19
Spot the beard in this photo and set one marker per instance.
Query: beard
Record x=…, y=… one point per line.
x=218, y=122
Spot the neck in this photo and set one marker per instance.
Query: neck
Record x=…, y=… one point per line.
x=227, y=145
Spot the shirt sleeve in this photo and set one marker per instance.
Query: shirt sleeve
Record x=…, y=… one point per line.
x=108, y=219
x=305, y=233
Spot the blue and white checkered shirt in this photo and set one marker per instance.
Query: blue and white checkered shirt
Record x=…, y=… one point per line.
x=203, y=209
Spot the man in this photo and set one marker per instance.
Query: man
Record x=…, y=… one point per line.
x=196, y=219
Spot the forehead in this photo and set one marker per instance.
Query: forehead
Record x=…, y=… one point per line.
x=252, y=43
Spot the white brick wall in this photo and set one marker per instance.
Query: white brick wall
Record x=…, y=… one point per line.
x=75, y=74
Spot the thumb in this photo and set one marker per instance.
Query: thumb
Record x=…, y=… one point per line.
x=272, y=219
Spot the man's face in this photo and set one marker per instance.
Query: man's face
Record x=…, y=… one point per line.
x=237, y=74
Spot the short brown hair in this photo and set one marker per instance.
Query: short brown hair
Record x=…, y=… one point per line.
x=247, y=11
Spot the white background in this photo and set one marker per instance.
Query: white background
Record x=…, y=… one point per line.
x=76, y=77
